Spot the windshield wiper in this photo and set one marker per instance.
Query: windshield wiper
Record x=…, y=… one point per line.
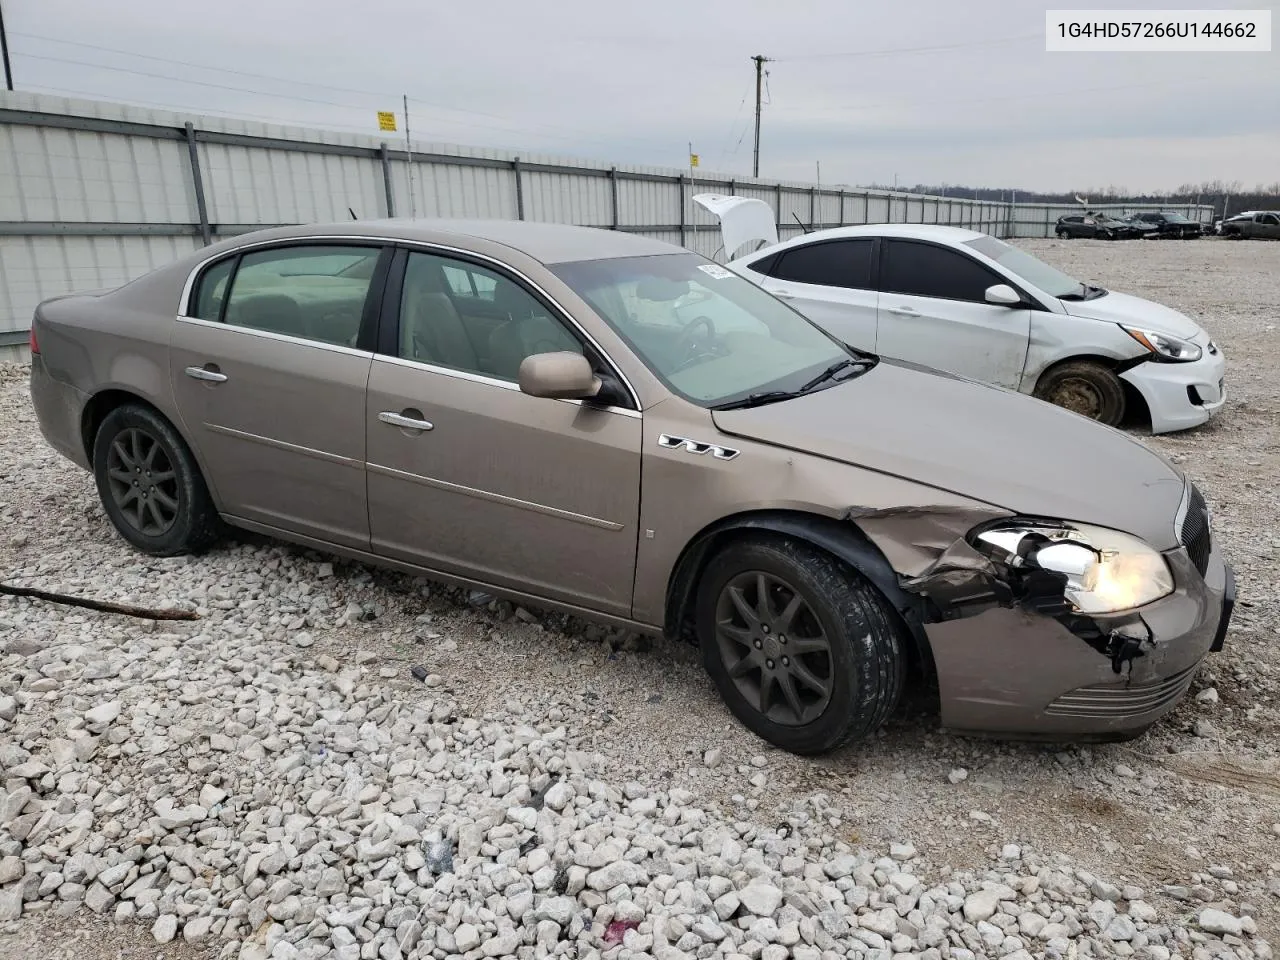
x=757, y=400
x=831, y=371
x=773, y=396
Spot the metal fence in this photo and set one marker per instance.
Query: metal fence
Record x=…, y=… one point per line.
x=93, y=194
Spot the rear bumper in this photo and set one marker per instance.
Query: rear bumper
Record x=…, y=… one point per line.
x=59, y=408
x=1018, y=674
x=1181, y=395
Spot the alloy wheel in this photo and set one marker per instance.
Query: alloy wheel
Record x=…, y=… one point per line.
x=774, y=648
x=143, y=481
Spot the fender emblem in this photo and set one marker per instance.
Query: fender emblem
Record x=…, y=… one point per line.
x=695, y=446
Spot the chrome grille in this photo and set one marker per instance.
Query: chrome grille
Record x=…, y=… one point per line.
x=1195, y=530
x=1121, y=702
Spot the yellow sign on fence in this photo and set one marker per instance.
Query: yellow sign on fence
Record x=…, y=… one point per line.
x=693, y=159
x=386, y=120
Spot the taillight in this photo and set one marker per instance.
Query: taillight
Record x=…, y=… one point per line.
x=35, y=347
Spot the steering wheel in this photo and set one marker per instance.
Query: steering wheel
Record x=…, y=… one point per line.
x=694, y=348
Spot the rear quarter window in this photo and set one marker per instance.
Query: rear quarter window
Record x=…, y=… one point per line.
x=211, y=291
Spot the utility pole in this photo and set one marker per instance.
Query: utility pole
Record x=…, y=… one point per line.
x=408, y=151
x=755, y=160
x=4, y=54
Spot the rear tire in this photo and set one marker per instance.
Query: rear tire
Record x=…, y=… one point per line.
x=805, y=652
x=150, y=484
x=1063, y=235
x=1086, y=388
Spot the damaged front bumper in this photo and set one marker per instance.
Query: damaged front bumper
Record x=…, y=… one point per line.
x=1010, y=671
x=1024, y=664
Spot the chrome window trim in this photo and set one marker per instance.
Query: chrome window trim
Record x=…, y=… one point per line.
x=424, y=245
x=489, y=381
x=272, y=335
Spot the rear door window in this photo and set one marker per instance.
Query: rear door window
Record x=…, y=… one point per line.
x=925, y=270
x=313, y=292
x=829, y=263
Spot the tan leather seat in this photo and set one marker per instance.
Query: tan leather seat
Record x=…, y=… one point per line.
x=431, y=330
x=526, y=331
x=272, y=312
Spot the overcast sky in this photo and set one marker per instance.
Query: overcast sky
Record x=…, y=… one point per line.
x=981, y=104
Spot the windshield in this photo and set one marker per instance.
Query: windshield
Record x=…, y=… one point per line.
x=1036, y=272
x=1175, y=218
x=708, y=334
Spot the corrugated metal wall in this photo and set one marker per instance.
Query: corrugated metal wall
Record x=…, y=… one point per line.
x=93, y=194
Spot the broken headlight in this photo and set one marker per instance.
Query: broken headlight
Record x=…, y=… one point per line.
x=1100, y=570
x=1164, y=346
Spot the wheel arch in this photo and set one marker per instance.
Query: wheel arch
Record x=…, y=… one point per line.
x=842, y=539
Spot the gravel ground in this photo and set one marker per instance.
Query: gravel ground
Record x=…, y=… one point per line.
x=271, y=780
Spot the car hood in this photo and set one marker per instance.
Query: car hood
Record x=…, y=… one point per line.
x=982, y=442
x=1135, y=312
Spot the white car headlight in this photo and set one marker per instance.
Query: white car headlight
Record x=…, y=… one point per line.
x=1105, y=571
x=1165, y=346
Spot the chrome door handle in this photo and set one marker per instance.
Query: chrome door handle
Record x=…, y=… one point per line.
x=409, y=423
x=904, y=311
x=211, y=376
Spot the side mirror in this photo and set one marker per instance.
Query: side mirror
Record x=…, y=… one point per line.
x=563, y=375
x=1003, y=295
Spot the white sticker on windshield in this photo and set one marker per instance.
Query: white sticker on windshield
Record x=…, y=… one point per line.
x=715, y=270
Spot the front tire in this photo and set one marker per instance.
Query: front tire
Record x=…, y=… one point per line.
x=805, y=652
x=150, y=485
x=1086, y=388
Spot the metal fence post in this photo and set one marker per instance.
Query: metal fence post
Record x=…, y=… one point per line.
x=613, y=197
x=813, y=208
x=684, y=233
x=778, y=192
x=515, y=169
x=206, y=232
x=387, y=185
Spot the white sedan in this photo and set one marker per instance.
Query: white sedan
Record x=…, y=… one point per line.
x=968, y=303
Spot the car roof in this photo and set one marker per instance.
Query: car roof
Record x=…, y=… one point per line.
x=914, y=231
x=545, y=242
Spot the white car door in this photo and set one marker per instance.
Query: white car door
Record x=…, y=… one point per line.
x=830, y=282
x=933, y=311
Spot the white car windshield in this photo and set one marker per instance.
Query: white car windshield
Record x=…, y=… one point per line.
x=1036, y=272
x=707, y=333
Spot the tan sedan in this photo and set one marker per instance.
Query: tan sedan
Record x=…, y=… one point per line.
x=617, y=427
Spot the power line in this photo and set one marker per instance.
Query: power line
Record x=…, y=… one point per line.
x=942, y=48
x=575, y=135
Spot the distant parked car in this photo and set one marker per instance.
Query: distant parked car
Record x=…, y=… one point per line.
x=1141, y=227
x=1095, y=226
x=967, y=303
x=1173, y=225
x=1254, y=225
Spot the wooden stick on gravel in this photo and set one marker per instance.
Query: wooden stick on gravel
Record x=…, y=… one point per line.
x=104, y=606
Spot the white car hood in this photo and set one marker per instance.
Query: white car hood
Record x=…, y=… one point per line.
x=1135, y=312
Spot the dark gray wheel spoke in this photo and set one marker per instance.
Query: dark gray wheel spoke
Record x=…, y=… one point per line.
x=130, y=494
x=743, y=608
x=743, y=667
x=135, y=446
x=149, y=460
x=805, y=676
x=153, y=508
x=788, y=614
x=160, y=476
x=799, y=646
x=118, y=448
x=139, y=518
x=120, y=474
x=162, y=498
x=789, y=691
x=741, y=634
x=763, y=608
x=766, y=691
